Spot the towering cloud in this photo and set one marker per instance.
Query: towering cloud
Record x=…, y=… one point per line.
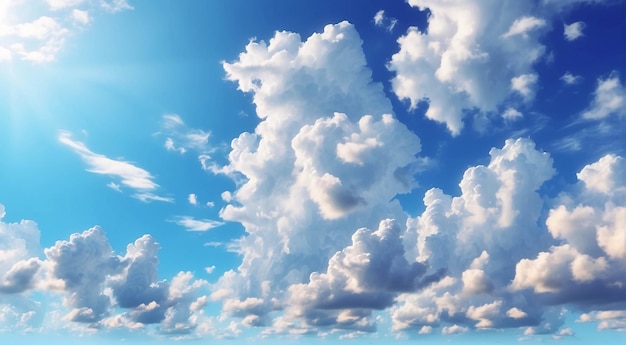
x=326, y=158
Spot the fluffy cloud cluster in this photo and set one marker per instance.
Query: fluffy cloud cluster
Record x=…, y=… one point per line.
x=19, y=246
x=473, y=56
x=589, y=261
x=364, y=276
x=99, y=288
x=504, y=269
x=477, y=238
x=19, y=266
x=41, y=38
x=96, y=279
x=326, y=157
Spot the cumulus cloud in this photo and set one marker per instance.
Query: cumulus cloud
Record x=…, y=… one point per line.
x=40, y=40
x=587, y=268
x=19, y=247
x=524, y=84
x=609, y=319
x=130, y=175
x=100, y=289
x=478, y=238
x=524, y=273
x=82, y=264
x=461, y=64
x=573, y=31
x=512, y=114
x=608, y=99
x=98, y=283
x=325, y=158
x=37, y=41
x=464, y=61
x=364, y=276
x=192, y=199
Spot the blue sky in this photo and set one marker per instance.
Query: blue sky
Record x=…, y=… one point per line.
x=312, y=171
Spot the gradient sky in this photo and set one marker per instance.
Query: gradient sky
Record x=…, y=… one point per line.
x=312, y=171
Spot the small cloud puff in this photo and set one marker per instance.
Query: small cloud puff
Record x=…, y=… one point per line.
x=573, y=31
x=570, y=79
x=380, y=20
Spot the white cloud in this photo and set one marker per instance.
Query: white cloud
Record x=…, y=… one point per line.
x=591, y=259
x=425, y=330
x=607, y=175
x=81, y=17
x=378, y=17
x=389, y=23
x=210, y=269
x=114, y=186
x=181, y=138
x=512, y=114
x=454, y=329
x=40, y=40
x=525, y=84
x=523, y=25
x=570, y=79
x=323, y=160
x=193, y=199
x=148, y=197
x=609, y=319
x=573, y=31
x=477, y=238
x=40, y=29
x=364, y=276
x=61, y=4
x=516, y=313
x=465, y=60
x=130, y=175
x=115, y=5
x=192, y=224
x=83, y=263
x=19, y=246
x=608, y=99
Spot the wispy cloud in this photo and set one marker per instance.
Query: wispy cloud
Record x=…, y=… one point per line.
x=181, y=138
x=524, y=24
x=147, y=197
x=381, y=20
x=129, y=175
x=192, y=224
